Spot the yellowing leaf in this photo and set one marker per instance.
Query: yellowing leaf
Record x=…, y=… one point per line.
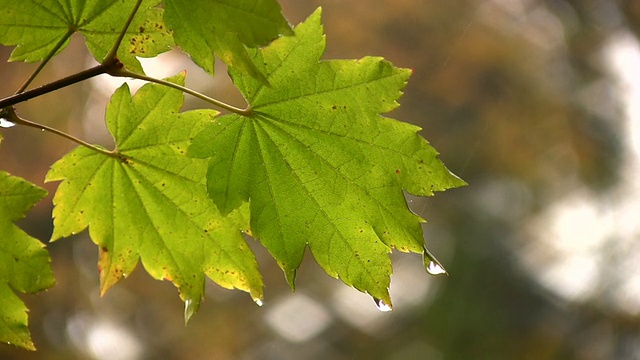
x=24, y=263
x=39, y=27
x=149, y=202
x=318, y=163
x=224, y=27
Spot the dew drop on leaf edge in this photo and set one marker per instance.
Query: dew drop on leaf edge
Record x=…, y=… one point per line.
x=434, y=268
x=190, y=308
x=6, y=123
x=432, y=265
x=382, y=306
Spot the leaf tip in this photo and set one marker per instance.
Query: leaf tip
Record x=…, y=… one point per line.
x=290, y=276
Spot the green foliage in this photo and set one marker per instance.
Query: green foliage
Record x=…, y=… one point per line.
x=149, y=201
x=226, y=29
x=42, y=29
x=24, y=263
x=319, y=164
x=310, y=161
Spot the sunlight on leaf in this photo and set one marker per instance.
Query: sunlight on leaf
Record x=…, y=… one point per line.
x=149, y=203
x=37, y=28
x=24, y=262
x=318, y=163
x=224, y=27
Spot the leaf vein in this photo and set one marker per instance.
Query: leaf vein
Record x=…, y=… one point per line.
x=321, y=209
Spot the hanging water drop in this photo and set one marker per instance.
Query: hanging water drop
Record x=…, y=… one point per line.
x=6, y=123
x=382, y=306
x=434, y=268
x=258, y=302
x=432, y=265
x=190, y=308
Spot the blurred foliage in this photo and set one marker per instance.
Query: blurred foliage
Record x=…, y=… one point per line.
x=515, y=97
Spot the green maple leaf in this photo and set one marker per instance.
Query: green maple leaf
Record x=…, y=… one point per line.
x=24, y=262
x=149, y=201
x=224, y=27
x=318, y=163
x=41, y=27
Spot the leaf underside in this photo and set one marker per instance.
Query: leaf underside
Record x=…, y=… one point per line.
x=226, y=28
x=24, y=262
x=40, y=29
x=150, y=203
x=319, y=164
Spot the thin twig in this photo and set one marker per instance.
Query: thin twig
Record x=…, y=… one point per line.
x=58, y=84
x=10, y=115
x=45, y=61
x=121, y=72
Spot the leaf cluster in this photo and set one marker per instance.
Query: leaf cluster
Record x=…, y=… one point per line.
x=310, y=161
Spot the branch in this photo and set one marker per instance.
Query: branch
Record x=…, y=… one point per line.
x=10, y=115
x=45, y=61
x=58, y=84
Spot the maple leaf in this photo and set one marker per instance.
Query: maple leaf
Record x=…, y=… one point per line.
x=149, y=201
x=318, y=163
x=224, y=27
x=41, y=27
x=24, y=262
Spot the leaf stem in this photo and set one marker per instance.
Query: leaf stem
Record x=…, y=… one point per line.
x=45, y=61
x=121, y=72
x=113, y=53
x=10, y=115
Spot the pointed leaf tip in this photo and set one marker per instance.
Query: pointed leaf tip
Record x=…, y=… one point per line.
x=290, y=275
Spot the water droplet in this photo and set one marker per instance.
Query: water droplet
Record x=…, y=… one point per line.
x=190, y=308
x=382, y=306
x=6, y=123
x=432, y=265
x=434, y=268
x=258, y=302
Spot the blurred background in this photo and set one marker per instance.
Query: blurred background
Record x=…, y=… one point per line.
x=535, y=103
